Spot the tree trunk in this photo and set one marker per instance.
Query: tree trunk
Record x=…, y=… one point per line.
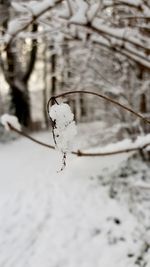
x=82, y=106
x=15, y=75
x=143, y=101
x=20, y=104
x=53, y=71
x=45, y=99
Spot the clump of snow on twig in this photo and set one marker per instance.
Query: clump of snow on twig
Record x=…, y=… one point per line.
x=64, y=127
x=7, y=119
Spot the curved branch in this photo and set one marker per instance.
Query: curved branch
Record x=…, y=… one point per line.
x=29, y=137
x=137, y=58
x=123, y=48
x=105, y=31
x=79, y=153
x=100, y=96
x=119, y=3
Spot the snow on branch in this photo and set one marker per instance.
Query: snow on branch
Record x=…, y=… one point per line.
x=34, y=10
x=85, y=13
x=64, y=128
x=80, y=15
x=128, y=3
x=33, y=7
x=128, y=41
x=7, y=120
x=127, y=51
x=108, y=99
x=125, y=146
x=133, y=47
x=121, y=37
x=120, y=34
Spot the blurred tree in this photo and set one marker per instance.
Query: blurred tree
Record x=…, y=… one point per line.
x=119, y=29
x=14, y=72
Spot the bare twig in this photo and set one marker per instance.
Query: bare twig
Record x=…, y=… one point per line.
x=29, y=137
x=100, y=96
x=79, y=153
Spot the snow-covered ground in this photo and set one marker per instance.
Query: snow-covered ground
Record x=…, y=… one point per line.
x=72, y=218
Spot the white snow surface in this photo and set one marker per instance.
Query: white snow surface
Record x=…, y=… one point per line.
x=64, y=126
x=62, y=219
x=13, y=120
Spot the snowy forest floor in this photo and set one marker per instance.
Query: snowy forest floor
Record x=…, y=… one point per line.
x=96, y=213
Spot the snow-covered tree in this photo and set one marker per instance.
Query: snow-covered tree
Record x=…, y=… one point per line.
x=109, y=37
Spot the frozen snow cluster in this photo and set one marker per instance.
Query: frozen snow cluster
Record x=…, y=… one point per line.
x=13, y=120
x=64, y=128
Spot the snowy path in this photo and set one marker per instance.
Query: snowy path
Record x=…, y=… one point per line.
x=50, y=219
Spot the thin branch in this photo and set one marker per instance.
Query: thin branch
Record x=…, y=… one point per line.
x=103, y=30
x=122, y=48
x=79, y=153
x=135, y=17
x=100, y=96
x=29, y=137
x=119, y=50
x=119, y=3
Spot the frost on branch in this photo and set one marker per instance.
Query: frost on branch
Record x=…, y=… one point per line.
x=7, y=119
x=64, y=128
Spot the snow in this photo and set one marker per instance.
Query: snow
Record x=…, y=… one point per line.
x=142, y=140
x=131, y=52
x=126, y=144
x=17, y=24
x=80, y=17
x=13, y=120
x=92, y=11
x=66, y=219
x=33, y=7
x=64, y=126
x=19, y=7
x=38, y=8
x=128, y=2
x=55, y=219
x=132, y=2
